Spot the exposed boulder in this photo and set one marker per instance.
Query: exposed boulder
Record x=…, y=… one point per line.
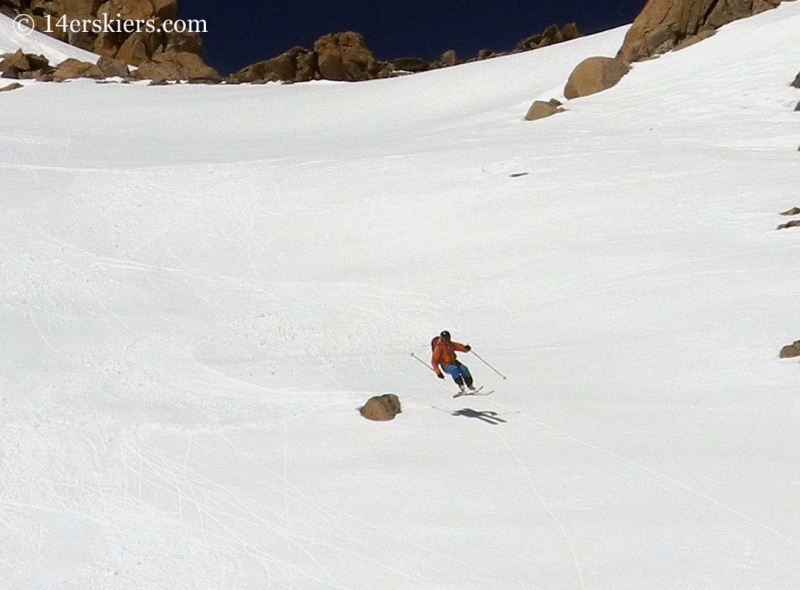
x=381, y=408
x=73, y=68
x=176, y=65
x=113, y=68
x=791, y=350
x=13, y=64
x=410, y=64
x=550, y=36
x=296, y=65
x=21, y=66
x=345, y=56
x=593, y=75
x=796, y=83
x=794, y=223
x=792, y=211
x=540, y=109
x=10, y=87
x=664, y=24
x=133, y=50
x=448, y=59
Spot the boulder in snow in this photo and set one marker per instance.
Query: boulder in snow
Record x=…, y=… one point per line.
x=593, y=75
x=791, y=351
x=10, y=87
x=540, y=109
x=381, y=408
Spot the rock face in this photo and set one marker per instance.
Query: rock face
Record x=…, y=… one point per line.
x=136, y=49
x=381, y=408
x=791, y=351
x=594, y=74
x=663, y=24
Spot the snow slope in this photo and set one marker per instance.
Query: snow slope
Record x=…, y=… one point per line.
x=17, y=37
x=201, y=285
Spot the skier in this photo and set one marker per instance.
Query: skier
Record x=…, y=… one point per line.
x=444, y=358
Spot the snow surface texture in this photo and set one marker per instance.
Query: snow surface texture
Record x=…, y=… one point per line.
x=200, y=285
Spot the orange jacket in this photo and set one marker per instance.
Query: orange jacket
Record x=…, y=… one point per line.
x=444, y=353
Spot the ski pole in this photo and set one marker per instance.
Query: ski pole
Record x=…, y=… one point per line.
x=488, y=365
x=423, y=362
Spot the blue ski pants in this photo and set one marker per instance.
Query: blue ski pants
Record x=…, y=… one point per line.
x=460, y=373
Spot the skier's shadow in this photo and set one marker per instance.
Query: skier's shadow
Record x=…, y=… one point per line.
x=486, y=416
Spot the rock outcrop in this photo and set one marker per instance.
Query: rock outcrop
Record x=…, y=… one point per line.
x=176, y=65
x=381, y=408
x=347, y=57
x=593, y=75
x=73, y=68
x=665, y=24
x=25, y=66
x=136, y=48
x=296, y=65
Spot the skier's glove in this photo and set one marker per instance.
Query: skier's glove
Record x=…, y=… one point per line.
x=440, y=376
x=468, y=347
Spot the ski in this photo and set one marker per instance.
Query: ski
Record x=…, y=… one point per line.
x=478, y=391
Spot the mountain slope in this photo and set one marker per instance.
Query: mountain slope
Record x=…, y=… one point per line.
x=200, y=285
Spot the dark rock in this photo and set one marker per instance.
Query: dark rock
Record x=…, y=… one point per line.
x=794, y=223
x=411, y=64
x=792, y=211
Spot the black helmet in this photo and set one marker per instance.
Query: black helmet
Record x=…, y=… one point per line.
x=445, y=336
